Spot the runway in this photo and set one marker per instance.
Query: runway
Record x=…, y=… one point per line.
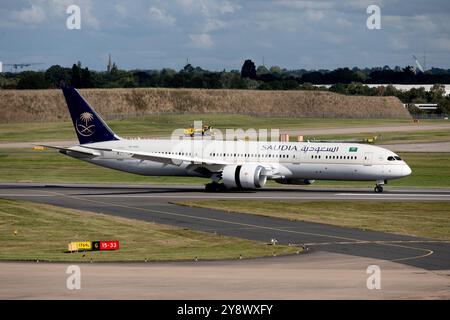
x=154, y=204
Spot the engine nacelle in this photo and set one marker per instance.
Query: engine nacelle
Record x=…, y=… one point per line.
x=295, y=181
x=247, y=176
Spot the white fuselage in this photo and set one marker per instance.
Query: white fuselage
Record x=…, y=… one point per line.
x=286, y=160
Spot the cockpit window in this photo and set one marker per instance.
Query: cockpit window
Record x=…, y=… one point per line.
x=397, y=158
x=390, y=158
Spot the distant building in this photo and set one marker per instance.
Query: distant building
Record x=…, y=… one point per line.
x=404, y=87
x=1, y=67
x=426, y=106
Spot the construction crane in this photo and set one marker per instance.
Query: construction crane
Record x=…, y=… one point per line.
x=16, y=66
x=418, y=64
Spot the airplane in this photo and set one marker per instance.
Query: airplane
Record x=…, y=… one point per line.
x=232, y=164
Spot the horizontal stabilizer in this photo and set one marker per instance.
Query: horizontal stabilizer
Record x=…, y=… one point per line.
x=77, y=149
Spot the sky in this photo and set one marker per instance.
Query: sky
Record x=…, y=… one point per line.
x=221, y=34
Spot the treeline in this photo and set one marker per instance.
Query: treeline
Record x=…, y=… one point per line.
x=343, y=80
x=436, y=94
x=249, y=77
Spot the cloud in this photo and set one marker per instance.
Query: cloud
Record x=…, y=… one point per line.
x=397, y=43
x=304, y=4
x=121, y=9
x=160, y=16
x=202, y=40
x=315, y=15
x=214, y=24
x=441, y=44
x=227, y=7
x=416, y=23
x=209, y=8
x=344, y=23
x=220, y=32
x=33, y=15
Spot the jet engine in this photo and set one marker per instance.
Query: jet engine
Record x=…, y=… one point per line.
x=295, y=181
x=247, y=176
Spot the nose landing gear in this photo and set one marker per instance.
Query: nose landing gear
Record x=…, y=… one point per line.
x=379, y=187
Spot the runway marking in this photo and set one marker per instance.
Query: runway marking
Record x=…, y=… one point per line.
x=393, y=243
x=377, y=242
x=201, y=218
x=303, y=197
x=246, y=197
x=194, y=197
x=23, y=195
x=389, y=195
x=262, y=196
x=429, y=252
x=353, y=241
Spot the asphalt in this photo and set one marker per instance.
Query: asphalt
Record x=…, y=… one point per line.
x=321, y=275
x=154, y=204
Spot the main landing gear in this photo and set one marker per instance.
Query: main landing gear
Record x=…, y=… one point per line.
x=214, y=187
x=379, y=187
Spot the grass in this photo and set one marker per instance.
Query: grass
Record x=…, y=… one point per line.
x=49, y=105
x=423, y=219
x=26, y=165
x=163, y=125
x=43, y=232
x=389, y=137
x=428, y=170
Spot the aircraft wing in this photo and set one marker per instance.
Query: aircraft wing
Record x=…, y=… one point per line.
x=272, y=169
x=165, y=158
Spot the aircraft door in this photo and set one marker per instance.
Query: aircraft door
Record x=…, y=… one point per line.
x=368, y=156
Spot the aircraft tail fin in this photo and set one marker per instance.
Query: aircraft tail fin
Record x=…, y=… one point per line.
x=90, y=128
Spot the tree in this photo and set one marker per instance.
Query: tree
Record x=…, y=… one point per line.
x=275, y=69
x=32, y=80
x=86, y=78
x=314, y=77
x=188, y=68
x=437, y=92
x=56, y=76
x=261, y=70
x=76, y=75
x=248, y=70
x=444, y=105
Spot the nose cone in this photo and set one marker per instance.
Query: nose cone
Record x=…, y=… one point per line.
x=406, y=170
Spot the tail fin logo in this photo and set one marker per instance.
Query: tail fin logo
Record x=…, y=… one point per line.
x=84, y=126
